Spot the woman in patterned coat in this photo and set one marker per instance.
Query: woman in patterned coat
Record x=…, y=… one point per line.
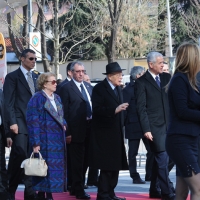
x=46, y=127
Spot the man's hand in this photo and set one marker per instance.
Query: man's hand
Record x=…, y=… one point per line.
x=68, y=139
x=9, y=142
x=121, y=107
x=14, y=128
x=36, y=149
x=149, y=136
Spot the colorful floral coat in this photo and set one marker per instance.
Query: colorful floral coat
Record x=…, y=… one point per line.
x=46, y=128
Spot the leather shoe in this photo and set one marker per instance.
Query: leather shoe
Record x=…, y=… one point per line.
x=83, y=196
x=31, y=197
x=168, y=197
x=117, y=198
x=155, y=195
x=138, y=181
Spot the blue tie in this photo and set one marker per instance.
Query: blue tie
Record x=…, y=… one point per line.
x=89, y=111
x=157, y=81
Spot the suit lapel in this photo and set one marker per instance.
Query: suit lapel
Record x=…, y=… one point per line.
x=120, y=94
x=150, y=79
x=76, y=90
x=110, y=90
x=23, y=80
x=88, y=87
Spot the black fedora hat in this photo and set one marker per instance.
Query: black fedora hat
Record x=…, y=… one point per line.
x=112, y=68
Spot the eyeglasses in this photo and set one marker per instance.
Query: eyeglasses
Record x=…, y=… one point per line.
x=80, y=71
x=52, y=82
x=32, y=58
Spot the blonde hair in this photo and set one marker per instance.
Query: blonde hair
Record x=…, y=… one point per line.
x=43, y=78
x=188, y=62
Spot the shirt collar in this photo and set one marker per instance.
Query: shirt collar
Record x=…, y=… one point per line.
x=78, y=83
x=24, y=71
x=153, y=75
x=111, y=85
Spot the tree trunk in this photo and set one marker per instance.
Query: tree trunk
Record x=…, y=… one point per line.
x=25, y=25
x=56, y=38
x=43, y=38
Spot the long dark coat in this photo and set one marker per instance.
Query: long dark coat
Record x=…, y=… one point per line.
x=153, y=108
x=107, y=150
x=46, y=128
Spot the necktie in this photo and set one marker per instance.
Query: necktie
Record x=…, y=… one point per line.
x=157, y=81
x=116, y=93
x=89, y=111
x=30, y=83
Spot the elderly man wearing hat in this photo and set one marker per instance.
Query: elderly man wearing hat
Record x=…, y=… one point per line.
x=107, y=151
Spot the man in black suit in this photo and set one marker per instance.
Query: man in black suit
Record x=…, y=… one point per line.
x=18, y=88
x=3, y=142
x=133, y=130
x=69, y=77
x=107, y=150
x=76, y=99
x=152, y=106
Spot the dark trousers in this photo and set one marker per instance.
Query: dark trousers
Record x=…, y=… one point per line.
x=69, y=173
x=132, y=153
x=92, y=176
x=107, y=183
x=160, y=173
x=19, y=152
x=3, y=172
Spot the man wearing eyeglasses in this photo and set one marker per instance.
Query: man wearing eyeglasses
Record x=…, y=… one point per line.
x=18, y=88
x=76, y=99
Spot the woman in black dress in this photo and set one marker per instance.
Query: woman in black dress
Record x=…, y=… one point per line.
x=184, y=121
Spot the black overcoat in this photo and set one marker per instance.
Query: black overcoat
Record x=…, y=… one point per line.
x=107, y=150
x=133, y=128
x=153, y=108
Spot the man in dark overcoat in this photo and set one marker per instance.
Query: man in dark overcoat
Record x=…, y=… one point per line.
x=3, y=143
x=18, y=88
x=152, y=107
x=75, y=96
x=107, y=150
x=133, y=130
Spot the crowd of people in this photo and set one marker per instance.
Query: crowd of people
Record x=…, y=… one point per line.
x=77, y=127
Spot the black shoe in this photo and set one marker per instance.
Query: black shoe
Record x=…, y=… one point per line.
x=83, y=196
x=41, y=195
x=31, y=197
x=49, y=196
x=117, y=198
x=92, y=184
x=168, y=197
x=11, y=196
x=155, y=195
x=138, y=181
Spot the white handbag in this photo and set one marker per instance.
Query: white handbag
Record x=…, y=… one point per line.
x=35, y=166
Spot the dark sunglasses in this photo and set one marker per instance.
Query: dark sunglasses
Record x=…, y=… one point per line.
x=52, y=82
x=31, y=58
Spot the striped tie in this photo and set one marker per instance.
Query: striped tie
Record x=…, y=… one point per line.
x=30, y=83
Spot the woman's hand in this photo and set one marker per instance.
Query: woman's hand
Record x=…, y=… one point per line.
x=68, y=139
x=36, y=149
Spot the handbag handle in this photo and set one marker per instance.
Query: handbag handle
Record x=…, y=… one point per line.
x=32, y=156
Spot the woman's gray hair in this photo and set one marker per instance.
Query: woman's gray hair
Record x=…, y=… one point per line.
x=74, y=63
x=136, y=70
x=43, y=78
x=151, y=57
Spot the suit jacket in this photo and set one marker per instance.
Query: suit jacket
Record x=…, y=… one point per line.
x=75, y=110
x=153, y=108
x=17, y=94
x=133, y=128
x=107, y=149
x=60, y=85
x=2, y=114
x=184, y=103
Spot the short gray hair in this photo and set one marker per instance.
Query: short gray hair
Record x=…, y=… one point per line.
x=136, y=70
x=74, y=63
x=151, y=57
